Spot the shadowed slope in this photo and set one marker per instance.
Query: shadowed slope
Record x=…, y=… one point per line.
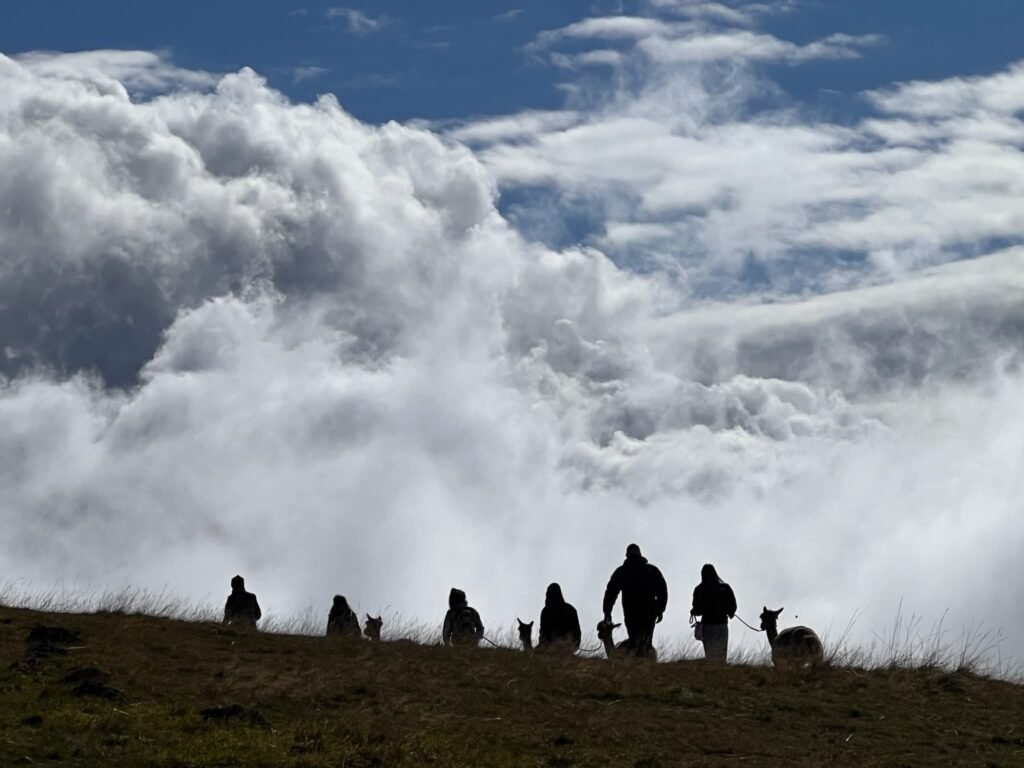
x=171, y=693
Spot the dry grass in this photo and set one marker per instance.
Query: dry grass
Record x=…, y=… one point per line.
x=126, y=600
x=330, y=702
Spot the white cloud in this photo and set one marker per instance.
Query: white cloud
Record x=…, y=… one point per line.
x=308, y=73
x=357, y=22
x=674, y=146
x=600, y=58
x=338, y=368
x=742, y=15
x=609, y=28
x=752, y=46
x=508, y=15
x=673, y=42
x=1001, y=93
x=505, y=128
x=137, y=71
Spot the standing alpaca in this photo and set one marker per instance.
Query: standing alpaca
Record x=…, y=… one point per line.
x=525, y=634
x=373, y=627
x=797, y=646
x=605, y=629
x=604, y=634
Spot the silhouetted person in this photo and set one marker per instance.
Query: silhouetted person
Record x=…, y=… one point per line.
x=241, y=607
x=715, y=603
x=462, y=625
x=559, y=623
x=644, y=598
x=342, y=620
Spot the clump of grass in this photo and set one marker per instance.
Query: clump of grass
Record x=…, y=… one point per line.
x=308, y=622
x=906, y=644
x=126, y=600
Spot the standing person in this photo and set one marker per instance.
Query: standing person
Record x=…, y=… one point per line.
x=715, y=603
x=462, y=624
x=644, y=598
x=241, y=607
x=342, y=620
x=559, y=623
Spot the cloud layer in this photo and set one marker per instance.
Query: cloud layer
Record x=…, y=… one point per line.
x=247, y=335
x=686, y=155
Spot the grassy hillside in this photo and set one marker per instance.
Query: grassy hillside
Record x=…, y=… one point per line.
x=138, y=691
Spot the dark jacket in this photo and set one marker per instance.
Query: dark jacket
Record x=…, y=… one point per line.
x=342, y=620
x=241, y=606
x=713, y=599
x=559, y=622
x=643, y=588
x=462, y=624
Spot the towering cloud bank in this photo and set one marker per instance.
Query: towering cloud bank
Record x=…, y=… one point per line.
x=245, y=335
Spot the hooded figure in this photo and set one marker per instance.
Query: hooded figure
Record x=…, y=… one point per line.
x=342, y=620
x=559, y=622
x=715, y=603
x=241, y=607
x=462, y=625
x=644, y=598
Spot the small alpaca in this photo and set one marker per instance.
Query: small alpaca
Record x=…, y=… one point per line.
x=372, y=627
x=794, y=646
x=525, y=634
x=604, y=634
x=605, y=629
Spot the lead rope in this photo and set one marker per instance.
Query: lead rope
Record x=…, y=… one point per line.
x=581, y=650
x=745, y=623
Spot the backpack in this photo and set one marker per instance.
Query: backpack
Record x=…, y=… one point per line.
x=464, y=625
x=344, y=623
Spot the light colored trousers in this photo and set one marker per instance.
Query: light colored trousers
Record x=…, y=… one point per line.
x=716, y=642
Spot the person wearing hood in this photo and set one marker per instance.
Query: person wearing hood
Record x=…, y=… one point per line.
x=241, y=606
x=559, y=623
x=714, y=603
x=342, y=620
x=644, y=598
x=462, y=624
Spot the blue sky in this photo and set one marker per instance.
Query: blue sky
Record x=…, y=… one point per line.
x=458, y=58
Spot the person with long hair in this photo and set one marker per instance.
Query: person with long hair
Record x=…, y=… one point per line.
x=714, y=604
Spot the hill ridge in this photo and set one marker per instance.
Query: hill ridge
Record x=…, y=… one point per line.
x=131, y=690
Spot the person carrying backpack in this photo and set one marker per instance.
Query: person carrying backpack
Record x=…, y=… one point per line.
x=342, y=620
x=462, y=624
x=715, y=603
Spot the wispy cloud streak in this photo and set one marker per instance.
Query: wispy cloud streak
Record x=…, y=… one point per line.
x=357, y=22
